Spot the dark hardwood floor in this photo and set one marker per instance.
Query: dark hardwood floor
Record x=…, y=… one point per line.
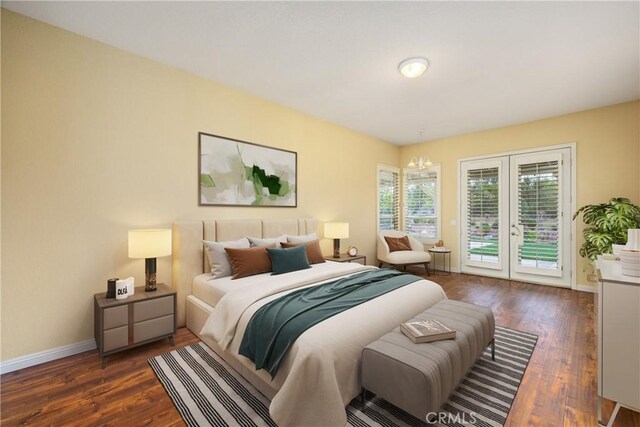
x=559, y=387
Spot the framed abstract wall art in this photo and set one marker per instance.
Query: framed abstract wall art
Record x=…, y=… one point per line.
x=240, y=173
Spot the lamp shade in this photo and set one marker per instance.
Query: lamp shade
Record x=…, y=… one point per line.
x=336, y=230
x=149, y=243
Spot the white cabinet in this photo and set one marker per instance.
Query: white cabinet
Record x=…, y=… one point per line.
x=618, y=318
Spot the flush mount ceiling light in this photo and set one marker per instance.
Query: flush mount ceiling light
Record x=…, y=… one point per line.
x=413, y=67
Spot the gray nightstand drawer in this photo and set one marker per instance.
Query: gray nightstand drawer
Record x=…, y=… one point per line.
x=151, y=309
x=115, y=338
x=153, y=328
x=136, y=320
x=116, y=316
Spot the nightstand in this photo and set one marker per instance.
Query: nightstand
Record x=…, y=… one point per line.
x=136, y=320
x=346, y=258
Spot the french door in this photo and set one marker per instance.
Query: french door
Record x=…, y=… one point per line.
x=515, y=217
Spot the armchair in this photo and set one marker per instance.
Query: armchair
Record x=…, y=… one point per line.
x=417, y=254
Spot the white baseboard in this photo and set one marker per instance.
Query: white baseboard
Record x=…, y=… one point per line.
x=586, y=288
x=46, y=356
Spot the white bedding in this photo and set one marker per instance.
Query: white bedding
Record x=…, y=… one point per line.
x=211, y=290
x=319, y=375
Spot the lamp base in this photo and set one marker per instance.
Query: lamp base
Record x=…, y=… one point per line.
x=336, y=248
x=149, y=274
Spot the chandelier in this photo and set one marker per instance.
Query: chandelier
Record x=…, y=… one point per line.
x=420, y=162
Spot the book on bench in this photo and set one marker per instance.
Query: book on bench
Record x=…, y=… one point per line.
x=423, y=331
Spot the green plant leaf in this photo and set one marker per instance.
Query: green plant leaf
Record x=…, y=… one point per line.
x=607, y=224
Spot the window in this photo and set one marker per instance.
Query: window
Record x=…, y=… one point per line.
x=388, y=198
x=422, y=203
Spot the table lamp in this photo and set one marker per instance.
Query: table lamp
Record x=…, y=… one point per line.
x=149, y=244
x=336, y=231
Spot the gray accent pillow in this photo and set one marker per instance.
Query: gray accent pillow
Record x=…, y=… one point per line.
x=256, y=242
x=218, y=258
x=301, y=239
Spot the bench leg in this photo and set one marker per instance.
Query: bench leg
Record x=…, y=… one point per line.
x=380, y=265
x=493, y=349
x=363, y=398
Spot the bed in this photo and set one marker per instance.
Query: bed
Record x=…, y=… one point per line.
x=320, y=373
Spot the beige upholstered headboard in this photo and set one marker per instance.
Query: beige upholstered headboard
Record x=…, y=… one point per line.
x=189, y=258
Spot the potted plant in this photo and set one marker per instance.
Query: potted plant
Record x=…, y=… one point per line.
x=607, y=224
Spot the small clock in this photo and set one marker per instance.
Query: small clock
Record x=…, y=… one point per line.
x=352, y=251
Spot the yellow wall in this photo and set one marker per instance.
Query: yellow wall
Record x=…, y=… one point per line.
x=96, y=141
x=608, y=158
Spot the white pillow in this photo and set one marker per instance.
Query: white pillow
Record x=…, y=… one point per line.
x=300, y=239
x=218, y=258
x=254, y=241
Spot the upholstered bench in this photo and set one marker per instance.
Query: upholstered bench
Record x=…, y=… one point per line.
x=419, y=378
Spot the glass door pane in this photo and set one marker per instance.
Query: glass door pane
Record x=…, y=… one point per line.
x=484, y=216
x=539, y=226
x=538, y=213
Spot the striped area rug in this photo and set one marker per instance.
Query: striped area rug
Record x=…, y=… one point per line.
x=207, y=392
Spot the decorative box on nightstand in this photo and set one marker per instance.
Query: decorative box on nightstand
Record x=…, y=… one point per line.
x=139, y=319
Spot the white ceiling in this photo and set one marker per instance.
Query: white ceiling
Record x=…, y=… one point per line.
x=492, y=63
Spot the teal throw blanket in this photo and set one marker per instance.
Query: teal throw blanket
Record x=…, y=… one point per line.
x=277, y=324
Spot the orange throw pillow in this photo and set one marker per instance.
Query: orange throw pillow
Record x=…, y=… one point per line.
x=314, y=253
x=398, y=243
x=249, y=261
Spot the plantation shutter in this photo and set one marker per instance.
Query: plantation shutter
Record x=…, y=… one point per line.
x=483, y=215
x=514, y=214
x=539, y=214
x=421, y=204
x=388, y=199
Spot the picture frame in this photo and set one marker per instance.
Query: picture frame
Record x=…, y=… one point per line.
x=232, y=172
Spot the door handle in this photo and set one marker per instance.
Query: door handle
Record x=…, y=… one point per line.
x=517, y=232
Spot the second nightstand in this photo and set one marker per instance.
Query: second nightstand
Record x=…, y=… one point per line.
x=346, y=258
x=446, y=256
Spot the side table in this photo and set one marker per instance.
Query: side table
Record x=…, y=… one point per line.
x=120, y=324
x=446, y=260
x=347, y=258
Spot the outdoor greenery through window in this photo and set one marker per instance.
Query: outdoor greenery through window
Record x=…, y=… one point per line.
x=483, y=215
x=388, y=198
x=538, y=214
x=421, y=204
